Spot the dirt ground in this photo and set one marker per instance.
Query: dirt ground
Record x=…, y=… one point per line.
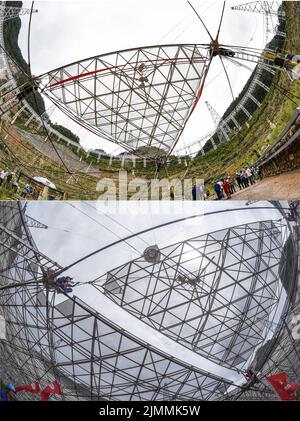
x=280, y=187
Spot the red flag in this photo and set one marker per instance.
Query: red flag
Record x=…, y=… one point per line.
x=32, y=388
x=52, y=389
x=286, y=391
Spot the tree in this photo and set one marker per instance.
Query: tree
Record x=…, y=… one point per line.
x=11, y=30
x=66, y=132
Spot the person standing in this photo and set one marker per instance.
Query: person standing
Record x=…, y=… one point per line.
x=245, y=178
x=218, y=190
x=259, y=173
x=226, y=188
x=231, y=181
x=249, y=176
x=239, y=180
x=220, y=182
x=3, y=175
x=8, y=394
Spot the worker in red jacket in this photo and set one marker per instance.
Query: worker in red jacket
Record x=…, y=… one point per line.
x=226, y=188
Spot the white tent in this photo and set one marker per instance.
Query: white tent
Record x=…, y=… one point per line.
x=45, y=181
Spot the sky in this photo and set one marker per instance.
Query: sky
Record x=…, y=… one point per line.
x=95, y=226
x=65, y=241
x=66, y=31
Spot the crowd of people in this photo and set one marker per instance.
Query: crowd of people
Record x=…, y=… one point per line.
x=8, y=179
x=226, y=186
x=160, y=161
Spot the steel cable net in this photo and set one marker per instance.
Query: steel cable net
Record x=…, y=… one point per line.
x=209, y=292
x=95, y=358
x=140, y=99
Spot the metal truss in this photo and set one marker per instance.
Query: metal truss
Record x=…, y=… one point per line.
x=17, y=252
x=269, y=10
x=140, y=98
x=22, y=267
x=215, y=294
x=104, y=362
x=263, y=7
x=206, y=292
x=249, y=95
x=8, y=12
x=194, y=147
x=90, y=356
x=33, y=223
x=281, y=352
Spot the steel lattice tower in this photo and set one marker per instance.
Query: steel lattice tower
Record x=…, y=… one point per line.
x=268, y=9
x=262, y=7
x=221, y=131
x=9, y=12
